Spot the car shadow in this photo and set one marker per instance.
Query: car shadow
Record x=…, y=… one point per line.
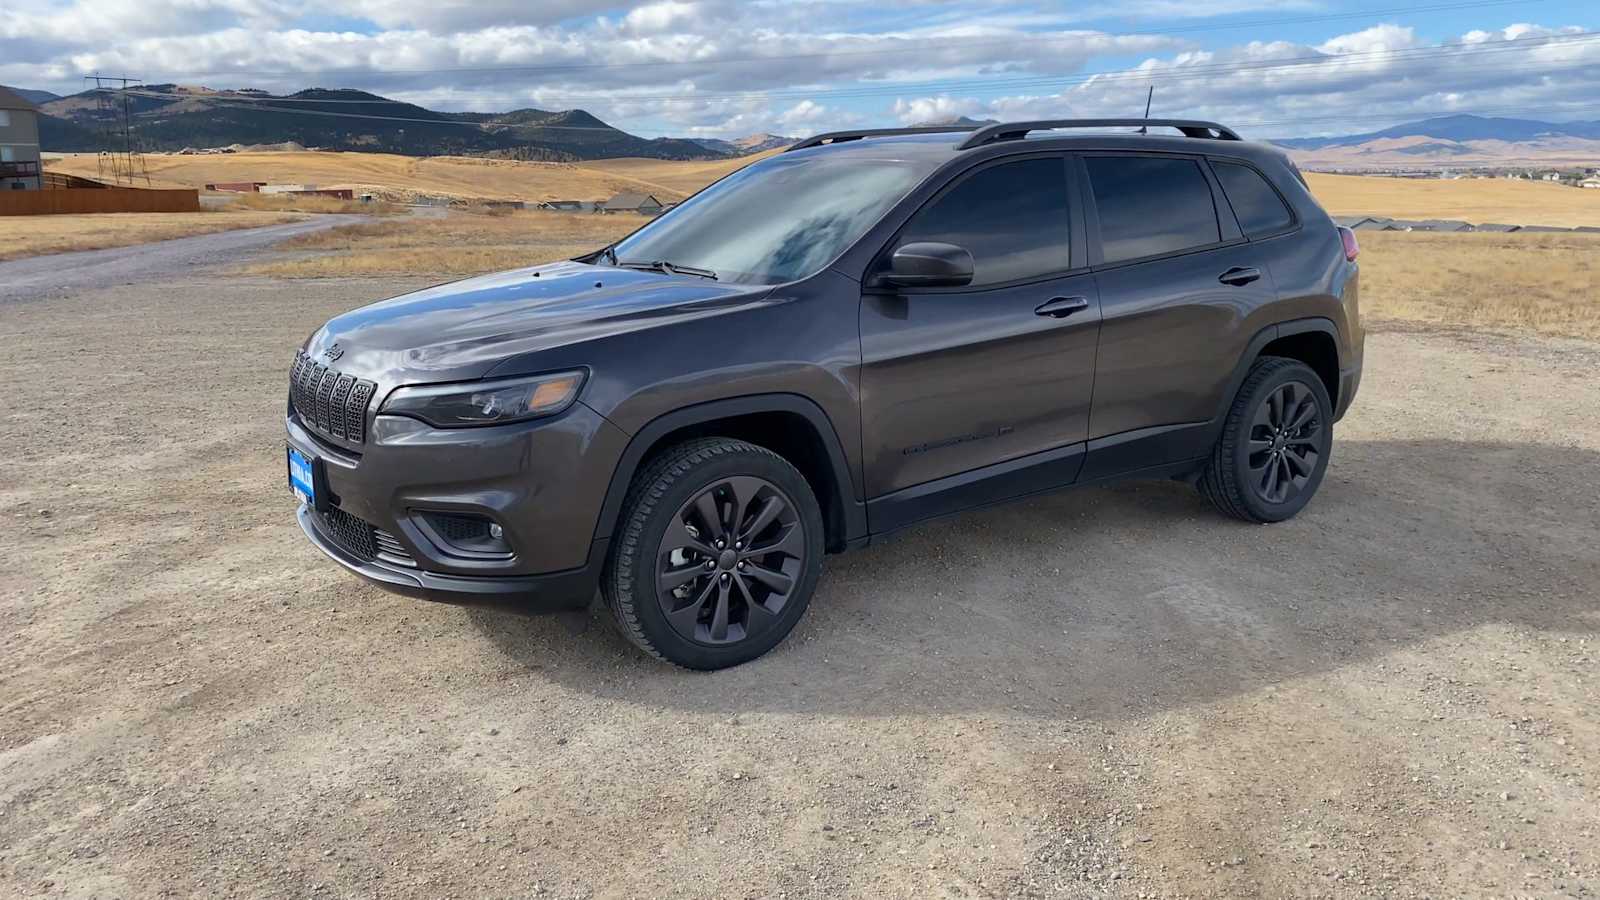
x=1123, y=601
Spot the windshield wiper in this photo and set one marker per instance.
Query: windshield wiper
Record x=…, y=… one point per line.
x=668, y=268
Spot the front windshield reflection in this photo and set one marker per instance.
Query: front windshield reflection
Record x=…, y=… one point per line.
x=777, y=220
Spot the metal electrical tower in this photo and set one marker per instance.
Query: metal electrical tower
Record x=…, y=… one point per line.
x=120, y=159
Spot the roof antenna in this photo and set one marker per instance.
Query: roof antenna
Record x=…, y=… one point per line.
x=1145, y=129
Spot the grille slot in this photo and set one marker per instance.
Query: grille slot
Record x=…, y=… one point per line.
x=362, y=539
x=390, y=549
x=351, y=532
x=329, y=403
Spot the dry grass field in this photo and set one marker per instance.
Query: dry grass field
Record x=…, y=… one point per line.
x=462, y=243
x=1547, y=283
x=23, y=236
x=1477, y=201
x=403, y=177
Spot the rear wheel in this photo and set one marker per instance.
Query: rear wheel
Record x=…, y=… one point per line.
x=719, y=551
x=1274, y=446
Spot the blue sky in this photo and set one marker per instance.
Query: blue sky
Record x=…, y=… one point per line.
x=725, y=68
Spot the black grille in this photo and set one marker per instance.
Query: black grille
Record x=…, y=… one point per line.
x=350, y=532
x=328, y=402
x=460, y=529
x=361, y=539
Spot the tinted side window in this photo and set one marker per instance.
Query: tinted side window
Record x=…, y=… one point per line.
x=1258, y=207
x=1012, y=217
x=1151, y=205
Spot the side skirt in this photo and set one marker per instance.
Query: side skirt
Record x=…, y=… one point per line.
x=1172, y=451
x=1032, y=474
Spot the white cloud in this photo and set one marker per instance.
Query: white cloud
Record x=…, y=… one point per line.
x=663, y=16
x=920, y=110
x=1281, y=89
x=730, y=67
x=1377, y=38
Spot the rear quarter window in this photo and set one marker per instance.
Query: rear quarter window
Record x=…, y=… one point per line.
x=1257, y=206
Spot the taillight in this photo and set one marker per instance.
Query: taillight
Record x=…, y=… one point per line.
x=1351, y=248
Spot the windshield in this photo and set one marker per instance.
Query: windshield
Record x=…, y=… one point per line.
x=781, y=219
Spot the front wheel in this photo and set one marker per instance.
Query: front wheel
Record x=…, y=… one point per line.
x=718, y=553
x=1274, y=446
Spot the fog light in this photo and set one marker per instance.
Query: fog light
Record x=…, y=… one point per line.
x=464, y=534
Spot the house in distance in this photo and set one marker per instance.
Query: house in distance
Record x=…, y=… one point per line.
x=634, y=202
x=19, y=144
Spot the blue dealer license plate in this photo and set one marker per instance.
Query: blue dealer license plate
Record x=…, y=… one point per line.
x=301, y=481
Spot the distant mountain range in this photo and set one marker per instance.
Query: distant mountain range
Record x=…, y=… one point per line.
x=961, y=121
x=1458, y=129
x=169, y=117
x=755, y=143
x=1455, y=142
x=172, y=117
x=34, y=96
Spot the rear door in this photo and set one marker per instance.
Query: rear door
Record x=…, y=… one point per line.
x=957, y=379
x=1177, y=283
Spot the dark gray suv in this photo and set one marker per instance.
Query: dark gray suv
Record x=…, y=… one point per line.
x=864, y=332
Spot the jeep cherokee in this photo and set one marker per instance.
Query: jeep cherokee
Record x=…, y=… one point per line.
x=861, y=333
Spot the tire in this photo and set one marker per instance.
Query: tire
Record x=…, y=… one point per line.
x=1289, y=459
x=677, y=595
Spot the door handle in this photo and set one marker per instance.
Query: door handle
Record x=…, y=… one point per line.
x=1061, y=307
x=1239, y=276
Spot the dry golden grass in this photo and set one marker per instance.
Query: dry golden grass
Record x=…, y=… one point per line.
x=403, y=178
x=314, y=203
x=22, y=236
x=1546, y=283
x=462, y=243
x=1478, y=201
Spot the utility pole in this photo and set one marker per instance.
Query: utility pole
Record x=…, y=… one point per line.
x=120, y=160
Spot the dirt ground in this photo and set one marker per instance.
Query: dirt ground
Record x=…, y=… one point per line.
x=1105, y=693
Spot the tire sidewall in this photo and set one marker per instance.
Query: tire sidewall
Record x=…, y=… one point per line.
x=1260, y=508
x=652, y=620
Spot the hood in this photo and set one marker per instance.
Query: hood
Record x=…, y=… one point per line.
x=460, y=331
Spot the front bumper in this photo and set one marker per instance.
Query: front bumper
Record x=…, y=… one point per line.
x=543, y=482
x=528, y=594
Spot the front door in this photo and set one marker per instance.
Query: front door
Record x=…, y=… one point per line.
x=994, y=374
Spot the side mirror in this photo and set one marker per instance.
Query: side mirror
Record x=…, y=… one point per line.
x=929, y=264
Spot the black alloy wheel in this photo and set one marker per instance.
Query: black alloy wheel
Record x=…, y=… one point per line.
x=1275, y=442
x=716, y=555
x=1284, y=439
x=729, y=560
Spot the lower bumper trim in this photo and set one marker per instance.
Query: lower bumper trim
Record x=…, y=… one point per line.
x=527, y=594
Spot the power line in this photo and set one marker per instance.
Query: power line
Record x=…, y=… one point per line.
x=1013, y=41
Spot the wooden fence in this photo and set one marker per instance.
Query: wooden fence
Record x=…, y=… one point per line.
x=97, y=200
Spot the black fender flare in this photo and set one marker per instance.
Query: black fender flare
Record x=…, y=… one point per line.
x=855, y=515
x=1265, y=336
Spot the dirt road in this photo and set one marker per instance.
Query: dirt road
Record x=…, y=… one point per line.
x=1103, y=693
x=63, y=273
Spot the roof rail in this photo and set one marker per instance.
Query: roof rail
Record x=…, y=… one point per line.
x=839, y=137
x=1007, y=131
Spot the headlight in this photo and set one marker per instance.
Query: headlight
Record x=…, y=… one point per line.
x=485, y=402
